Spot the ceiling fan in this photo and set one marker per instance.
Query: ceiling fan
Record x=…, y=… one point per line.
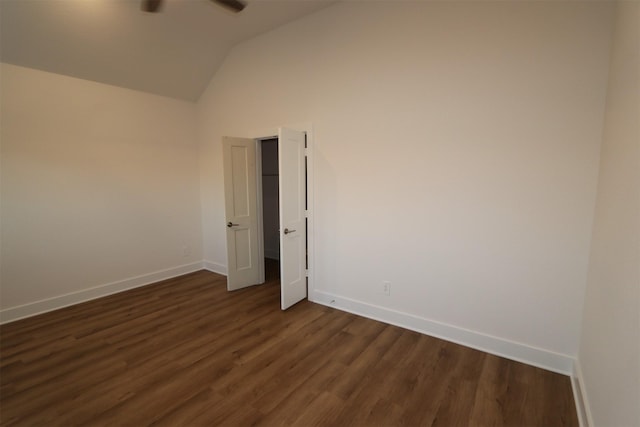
x=233, y=5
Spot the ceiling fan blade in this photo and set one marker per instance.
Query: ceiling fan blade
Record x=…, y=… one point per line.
x=234, y=5
x=151, y=5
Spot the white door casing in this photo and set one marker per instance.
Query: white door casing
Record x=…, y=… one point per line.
x=241, y=213
x=292, y=188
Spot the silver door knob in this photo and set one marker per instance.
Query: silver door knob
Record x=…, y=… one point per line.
x=230, y=224
x=287, y=231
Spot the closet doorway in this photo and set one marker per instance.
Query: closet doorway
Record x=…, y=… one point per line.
x=243, y=176
x=270, y=208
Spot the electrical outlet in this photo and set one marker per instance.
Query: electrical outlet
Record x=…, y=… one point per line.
x=186, y=251
x=386, y=288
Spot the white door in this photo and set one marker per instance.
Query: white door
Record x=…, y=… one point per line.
x=243, y=263
x=292, y=217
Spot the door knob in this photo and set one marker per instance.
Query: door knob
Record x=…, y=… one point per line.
x=230, y=224
x=287, y=231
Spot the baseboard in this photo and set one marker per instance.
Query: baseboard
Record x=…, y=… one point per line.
x=272, y=254
x=215, y=267
x=580, y=395
x=38, y=307
x=519, y=352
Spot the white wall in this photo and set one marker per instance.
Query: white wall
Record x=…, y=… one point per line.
x=99, y=185
x=456, y=154
x=610, y=346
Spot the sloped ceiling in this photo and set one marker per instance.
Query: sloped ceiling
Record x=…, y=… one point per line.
x=173, y=53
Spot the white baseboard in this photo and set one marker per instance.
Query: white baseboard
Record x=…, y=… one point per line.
x=519, y=352
x=215, y=267
x=580, y=395
x=38, y=307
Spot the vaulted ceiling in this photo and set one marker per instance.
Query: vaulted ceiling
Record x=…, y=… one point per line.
x=173, y=53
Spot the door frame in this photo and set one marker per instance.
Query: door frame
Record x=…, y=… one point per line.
x=258, y=136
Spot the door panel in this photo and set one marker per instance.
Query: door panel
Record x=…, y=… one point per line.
x=239, y=161
x=292, y=217
x=240, y=170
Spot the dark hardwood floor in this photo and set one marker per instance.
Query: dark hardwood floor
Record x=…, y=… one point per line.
x=185, y=352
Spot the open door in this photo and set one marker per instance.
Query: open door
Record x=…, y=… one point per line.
x=243, y=263
x=291, y=145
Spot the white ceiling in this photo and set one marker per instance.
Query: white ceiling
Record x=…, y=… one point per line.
x=172, y=53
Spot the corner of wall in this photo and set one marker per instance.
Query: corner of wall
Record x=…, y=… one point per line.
x=580, y=395
x=215, y=267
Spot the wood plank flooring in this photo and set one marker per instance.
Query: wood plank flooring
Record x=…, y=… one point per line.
x=185, y=352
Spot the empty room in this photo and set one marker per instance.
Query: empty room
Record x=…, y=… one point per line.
x=365, y=213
